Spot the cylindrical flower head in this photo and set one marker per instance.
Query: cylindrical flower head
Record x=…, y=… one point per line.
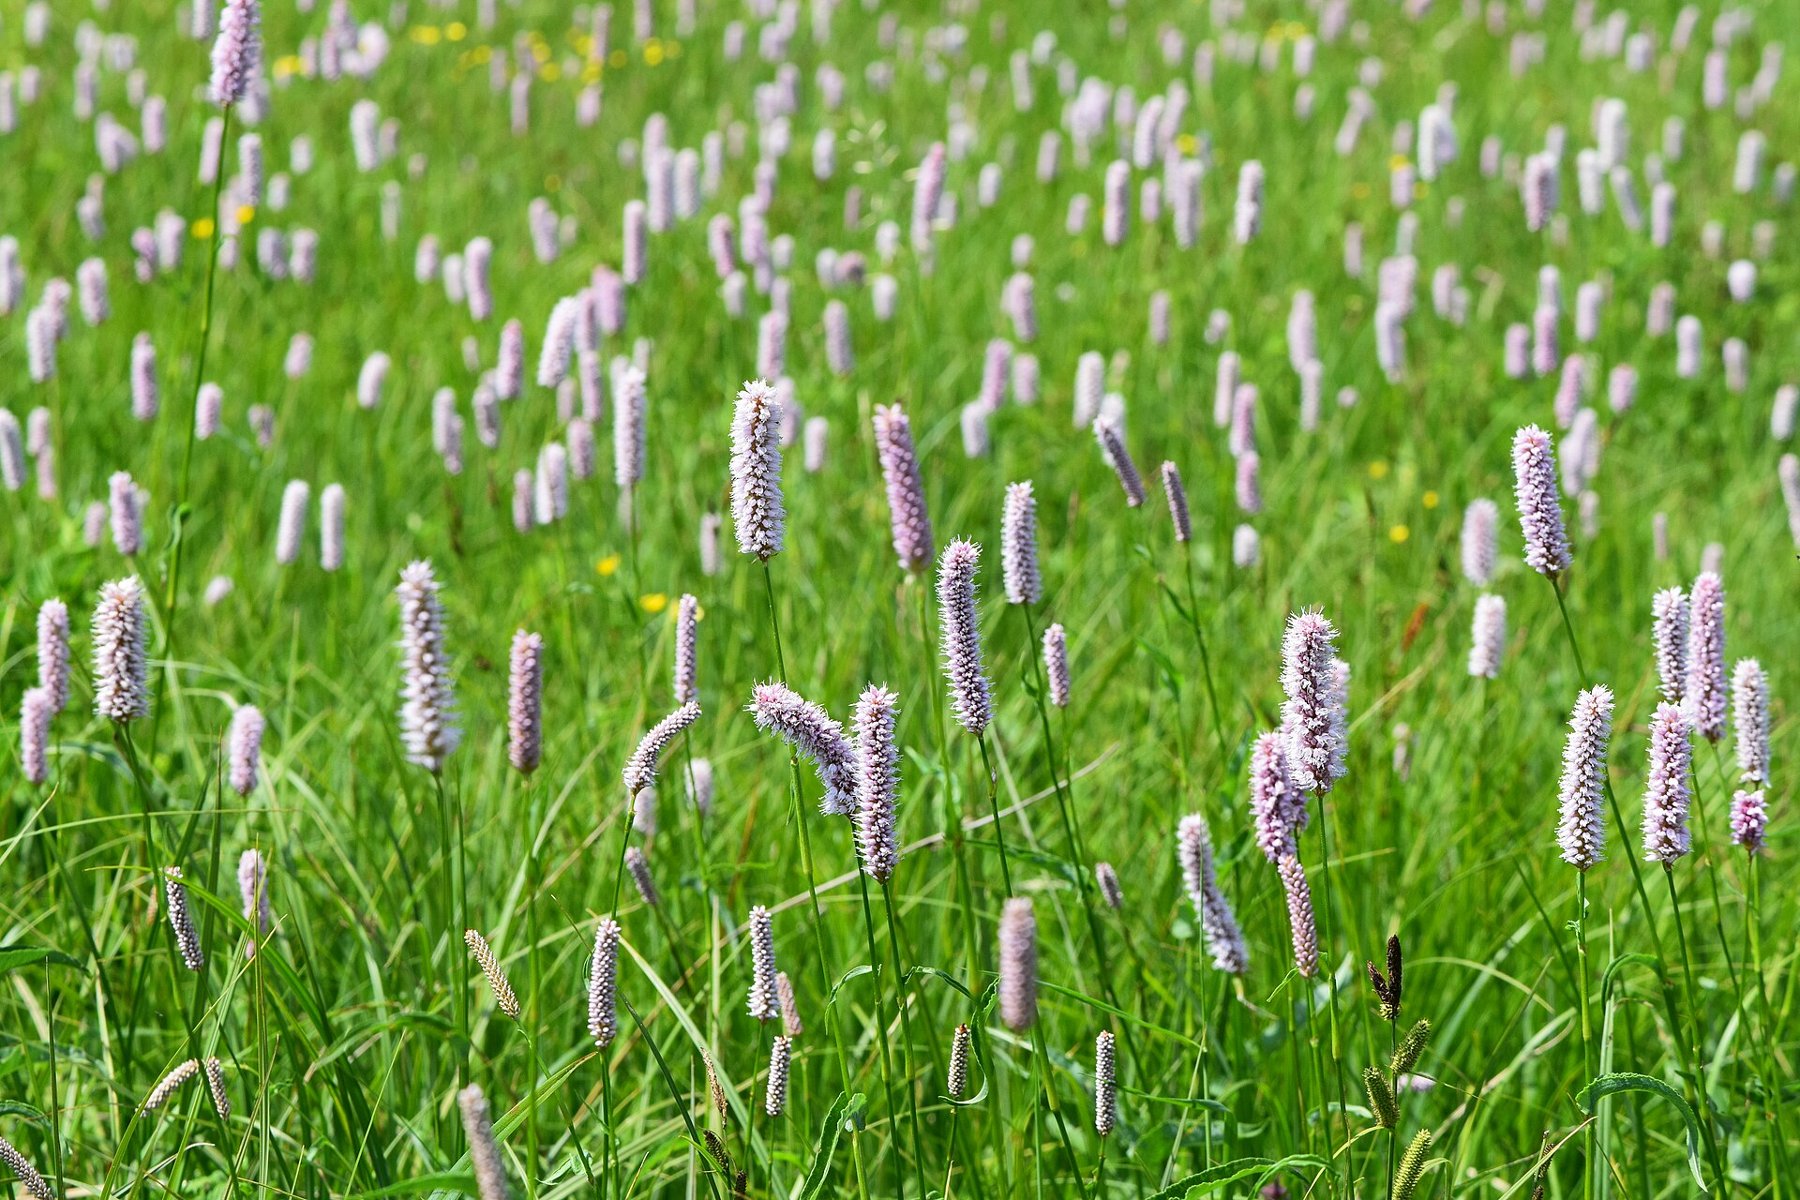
x=1302, y=928
x=243, y=742
x=35, y=711
x=1749, y=820
x=775, y=1091
x=484, y=1151
x=1056, y=665
x=956, y=1079
x=1178, y=502
x=145, y=395
x=123, y=510
x=236, y=52
x=1581, y=830
x=603, y=973
x=253, y=890
x=791, y=1024
x=505, y=999
x=1112, y=444
x=1669, y=634
x=1540, y=508
x=1488, y=637
x=181, y=920
x=1666, y=795
x=525, y=702
x=169, y=1084
x=292, y=524
x=756, y=510
x=53, y=653
x=1704, y=690
x=687, y=619
x=640, y=769
x=1224, y=940
x=961, y=635
x=428, y=726
x=26, y=1174
x=1106, y=1091
x=908, y=517
x=121, y=684
x=808, y=728
x=1274, y=800
x=763, y=1002
x=1480, y=541
x=331, y=527
x=1018, y=546
x=1750, y=719
x=1107, y=880
x=877, y=782
x=1309, y=714
x=628, y=428
x=1018, y=986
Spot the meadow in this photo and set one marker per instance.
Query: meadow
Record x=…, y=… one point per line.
x=897, y=599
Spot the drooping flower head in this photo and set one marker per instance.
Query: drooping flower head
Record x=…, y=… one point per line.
x=1224, y=940
x=1178, y=502
x=1303, y=930
x=908, y=518
x=1704, y=691
x=1018, y=546
x=428, y=725
x=1112, y=446
x=1581, y=830
x=809, y=729
x=757, y=514
x=877, y=782
x=1540, y=505
x=1666, y=795
x=961, y=635
x=640, y=768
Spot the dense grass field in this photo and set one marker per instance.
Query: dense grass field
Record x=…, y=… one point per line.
x=1457, y=202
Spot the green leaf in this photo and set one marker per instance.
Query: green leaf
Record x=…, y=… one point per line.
x=1629, y=1081
x=828, y=1140
x=14, y=957
x=852, y=973
x=441, y=1181
x=1217, y=1177
x=1627, y=960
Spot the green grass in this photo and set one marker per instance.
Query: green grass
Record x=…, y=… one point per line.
x=346, y=1038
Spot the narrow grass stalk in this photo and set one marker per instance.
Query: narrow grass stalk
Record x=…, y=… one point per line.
x=798, y=815
x=906, y=1042
x=1328, y=958
x=171, y=594
x=1702, y=1108
x=1590, y=1163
